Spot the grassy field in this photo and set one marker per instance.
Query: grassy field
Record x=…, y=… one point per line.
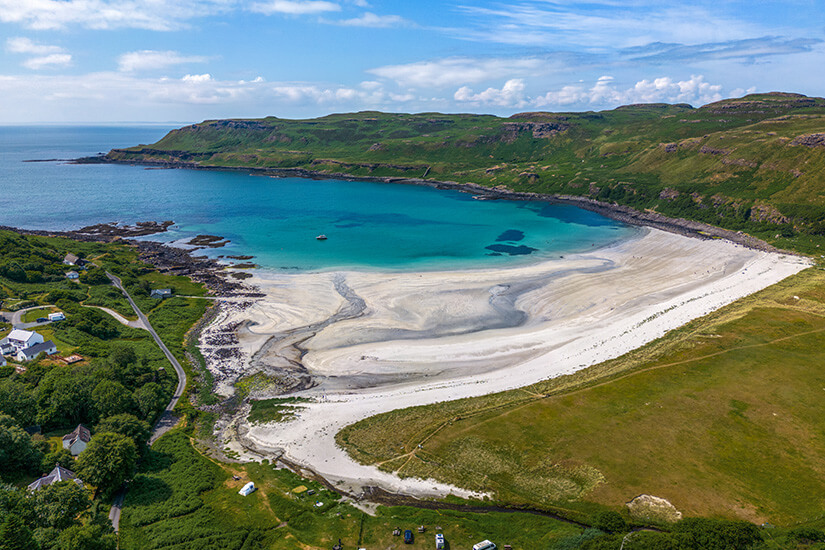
x=722, y=417
x=182, y=499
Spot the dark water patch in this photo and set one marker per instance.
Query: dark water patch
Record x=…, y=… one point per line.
x=511, y=235
x=512, y=250
x=494, y=253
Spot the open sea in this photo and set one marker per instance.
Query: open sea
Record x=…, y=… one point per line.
x=368, y=225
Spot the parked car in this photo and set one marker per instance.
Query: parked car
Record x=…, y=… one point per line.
x=439, y=542
x=41, y=319
x=408, y=537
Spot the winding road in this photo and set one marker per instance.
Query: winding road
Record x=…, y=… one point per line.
x=167, y=420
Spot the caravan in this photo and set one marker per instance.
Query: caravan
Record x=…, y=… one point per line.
x=484, y=545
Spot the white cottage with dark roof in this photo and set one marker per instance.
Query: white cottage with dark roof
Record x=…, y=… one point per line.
x=31, y=352
x=55, y=476
x=22, y=339
x=76, y=441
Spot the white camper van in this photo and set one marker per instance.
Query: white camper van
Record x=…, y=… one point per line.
x=484, y=545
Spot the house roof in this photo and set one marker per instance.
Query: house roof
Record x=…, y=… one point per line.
x=21, y=335
x=81, y=432
x=70, y=258
x=72, y=274
x=55, y=476
x=35, y=350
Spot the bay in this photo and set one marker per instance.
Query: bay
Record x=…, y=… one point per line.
x=368, y=225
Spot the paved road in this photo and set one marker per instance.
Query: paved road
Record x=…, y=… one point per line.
x=17, y=318
x=120, y=318
x=167, y=420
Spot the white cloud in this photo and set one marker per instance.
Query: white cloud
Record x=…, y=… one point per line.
x=46, y=55
x=58, y=59
x=370, y=19
x=659, y=90
x=510, y=95
x=461, y=70
x=151, y=59
x=108, y=14
x=294, y=7
x=24, y=45
x=552, y=24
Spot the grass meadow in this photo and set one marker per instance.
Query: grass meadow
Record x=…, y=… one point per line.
x=722, y=417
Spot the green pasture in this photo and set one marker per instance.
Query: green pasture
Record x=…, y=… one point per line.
x=723, y=418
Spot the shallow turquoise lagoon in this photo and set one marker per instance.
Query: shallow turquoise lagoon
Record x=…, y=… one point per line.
x=368, y=225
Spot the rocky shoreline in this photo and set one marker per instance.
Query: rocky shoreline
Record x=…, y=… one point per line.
x=625, y=214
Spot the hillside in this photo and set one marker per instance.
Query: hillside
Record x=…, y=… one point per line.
x=754, y=164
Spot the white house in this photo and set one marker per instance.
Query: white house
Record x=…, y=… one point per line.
x=70, y=259
x=77, y=440
x=73, y=275
x=2, y=361
x=59, y=316
x=22, y=339
x=58, y=474
x=161, y=293
x=32, y=352
x=247, y=489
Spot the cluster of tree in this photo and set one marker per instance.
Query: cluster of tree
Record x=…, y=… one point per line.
x=118, y=394
x=687, y=534
x=61, y=516
x=28, y=261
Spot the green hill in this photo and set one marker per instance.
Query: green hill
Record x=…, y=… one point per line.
x=754, y=164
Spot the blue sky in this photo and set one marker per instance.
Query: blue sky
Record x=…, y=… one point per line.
x=190, y=60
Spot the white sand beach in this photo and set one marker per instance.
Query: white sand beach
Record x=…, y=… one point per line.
x=375, y=342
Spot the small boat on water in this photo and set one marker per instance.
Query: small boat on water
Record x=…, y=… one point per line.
x=321, y=237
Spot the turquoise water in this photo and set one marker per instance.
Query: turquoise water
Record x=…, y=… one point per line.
x=368, y=225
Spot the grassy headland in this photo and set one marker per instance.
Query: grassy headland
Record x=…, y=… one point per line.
x=753, y=164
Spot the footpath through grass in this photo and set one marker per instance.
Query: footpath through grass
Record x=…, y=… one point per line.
x=722, y=418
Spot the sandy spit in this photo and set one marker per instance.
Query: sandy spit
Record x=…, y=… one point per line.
x=376, y=342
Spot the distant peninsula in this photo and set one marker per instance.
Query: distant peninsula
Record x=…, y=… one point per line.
x=753, y=164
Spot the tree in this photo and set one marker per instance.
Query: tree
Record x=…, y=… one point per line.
x=129, y=425
x=610, y=521
x=18, y=401
x=61, y=456
x=16, y=535
x=111, y=398
x=122, y=355
x=86, y=537
x=17, y=452
x=65, y=400
x=94, y=276
x=107, y=461
x=59, y=504
x=150, y=399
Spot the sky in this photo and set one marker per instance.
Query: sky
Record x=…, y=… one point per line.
x=113, y=61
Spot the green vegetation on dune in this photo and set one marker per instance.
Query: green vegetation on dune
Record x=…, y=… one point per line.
x=721, y=417
x=753, y=164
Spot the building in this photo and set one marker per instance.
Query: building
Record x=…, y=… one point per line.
x=32, y=352
x=161, y=293
x=247, y=489
x=55, y=476
x=59, y=316
x=73, y=275
x=76, y=441
x=22, y=339
x=70, y=259
x=2, y=361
